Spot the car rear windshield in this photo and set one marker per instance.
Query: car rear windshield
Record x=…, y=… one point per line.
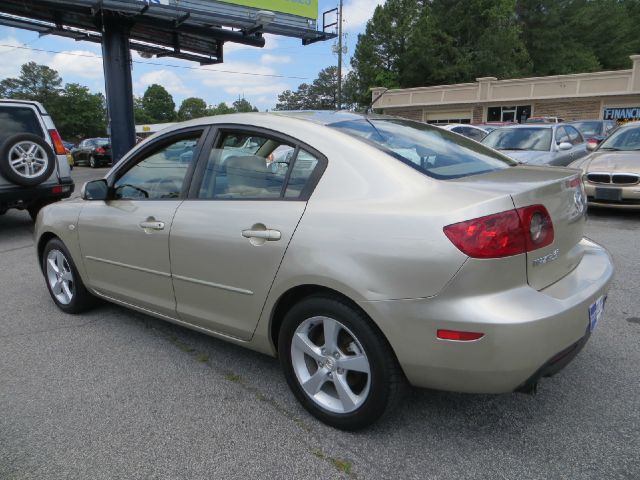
x=15, y=120
x=519, y=139
x=625, y=139
x=589, y=128
x=436, y=152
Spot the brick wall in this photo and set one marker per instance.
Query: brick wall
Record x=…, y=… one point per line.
x=478, y=113
x=410, y=113
x=567, y=109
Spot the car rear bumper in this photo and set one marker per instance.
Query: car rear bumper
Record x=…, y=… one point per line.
x=26, y=195
x=524, y=330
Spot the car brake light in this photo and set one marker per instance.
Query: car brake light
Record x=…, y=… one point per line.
x=503, y=234
x=100, y=150
x=459, y=336
x=58, y=146
x=60, y=189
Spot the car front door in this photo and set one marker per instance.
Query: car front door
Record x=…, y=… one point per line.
x=579, y=149
x=228, y=239
x=125, y=240
x=560, y=157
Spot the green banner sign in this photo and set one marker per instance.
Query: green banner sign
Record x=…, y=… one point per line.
x=302, y=8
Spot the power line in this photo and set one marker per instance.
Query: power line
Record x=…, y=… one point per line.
x=252, y=74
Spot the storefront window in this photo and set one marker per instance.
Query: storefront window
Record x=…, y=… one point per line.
x=511, y=113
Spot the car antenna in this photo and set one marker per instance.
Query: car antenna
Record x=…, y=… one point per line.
x=370, y=107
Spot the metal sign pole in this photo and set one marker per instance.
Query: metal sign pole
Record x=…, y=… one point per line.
x=116, y=58
x=340, y=56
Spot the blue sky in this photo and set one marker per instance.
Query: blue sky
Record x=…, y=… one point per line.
x=80, y=62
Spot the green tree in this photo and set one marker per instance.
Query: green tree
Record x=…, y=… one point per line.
x=242, y=105
x=36, y=82
x=78, y=113
x=192, y=107
x=320, y=95
x=139, y=113
x=158, y=104
x=378, y=57
x=221, y=109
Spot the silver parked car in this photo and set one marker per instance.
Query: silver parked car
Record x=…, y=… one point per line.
x=380, y=251
x=539, y=144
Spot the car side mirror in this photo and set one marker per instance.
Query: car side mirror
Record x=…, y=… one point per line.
x=95, y=190
x=565, y=146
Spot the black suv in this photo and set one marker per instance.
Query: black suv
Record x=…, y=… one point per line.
x=34, y=170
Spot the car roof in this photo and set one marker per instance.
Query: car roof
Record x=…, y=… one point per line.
x=531, y=125
x=38, y=105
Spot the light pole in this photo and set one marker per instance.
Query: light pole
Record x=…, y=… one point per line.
x=339, y=102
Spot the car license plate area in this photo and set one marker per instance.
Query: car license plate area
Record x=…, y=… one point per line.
x=595, y=312
x=611, y=194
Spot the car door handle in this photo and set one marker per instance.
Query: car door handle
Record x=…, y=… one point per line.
x=152, y=225
x=268, y=235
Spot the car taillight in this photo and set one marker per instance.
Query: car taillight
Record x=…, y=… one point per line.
x=503, y=234
x=58, y=146
x=593, y=142
x=100, y=150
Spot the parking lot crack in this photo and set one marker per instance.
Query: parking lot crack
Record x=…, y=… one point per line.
x=17, y=248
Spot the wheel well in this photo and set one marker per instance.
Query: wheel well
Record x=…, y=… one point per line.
x=294, y=295
x=42, y=242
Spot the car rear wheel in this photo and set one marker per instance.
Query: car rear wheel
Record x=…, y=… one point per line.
x=26, y=159
x=63, y=281
x=338, y=365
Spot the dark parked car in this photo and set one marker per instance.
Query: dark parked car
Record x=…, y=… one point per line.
x=95, y=152
x=594, y=130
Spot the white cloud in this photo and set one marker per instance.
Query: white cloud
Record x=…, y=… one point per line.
x=268, y=59
x=239, y=83
x=12, y=58
x=357, y=12
x=168, y=79
x=79, y=63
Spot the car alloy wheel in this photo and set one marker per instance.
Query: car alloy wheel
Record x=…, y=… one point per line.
x=92, y=162
x=337, y=363
x=330, y=364
x=26, y=159
x=63, y=280
x=60, y=277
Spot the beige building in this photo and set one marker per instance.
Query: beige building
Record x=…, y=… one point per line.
x=611, y=95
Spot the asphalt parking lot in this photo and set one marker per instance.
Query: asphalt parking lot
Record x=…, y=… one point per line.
x=116, y=394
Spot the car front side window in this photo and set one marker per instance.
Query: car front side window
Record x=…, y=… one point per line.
x=159, y=175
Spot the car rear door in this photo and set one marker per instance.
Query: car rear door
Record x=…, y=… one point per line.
x=228, y=239
x=125, y=240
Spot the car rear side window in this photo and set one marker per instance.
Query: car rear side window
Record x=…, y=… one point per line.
x=249, y=166
x=434, y=151
x=15, y=120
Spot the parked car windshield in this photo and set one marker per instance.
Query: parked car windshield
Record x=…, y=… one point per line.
x=589, y=128
x=520, y=139
x=626, y=138
x=431, y=150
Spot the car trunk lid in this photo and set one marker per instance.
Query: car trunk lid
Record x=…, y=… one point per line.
x=561, y=192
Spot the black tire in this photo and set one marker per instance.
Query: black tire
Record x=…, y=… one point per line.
x=35, y=208
x=386, y=380
x=8, y=153
x=92, y=162
x=81, y=300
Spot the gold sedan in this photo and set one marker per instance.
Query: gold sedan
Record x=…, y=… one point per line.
x=611, y=174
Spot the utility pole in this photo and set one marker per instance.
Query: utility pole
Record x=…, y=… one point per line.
x=340, y=56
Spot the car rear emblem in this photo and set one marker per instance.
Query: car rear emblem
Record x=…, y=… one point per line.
x=547, y=258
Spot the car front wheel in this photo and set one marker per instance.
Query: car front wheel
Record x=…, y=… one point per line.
x=63, y=281
x=338, y=365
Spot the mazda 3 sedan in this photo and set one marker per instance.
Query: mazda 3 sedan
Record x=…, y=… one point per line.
x=369, y=252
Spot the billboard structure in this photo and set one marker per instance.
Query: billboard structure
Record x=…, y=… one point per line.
x=194, y=30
